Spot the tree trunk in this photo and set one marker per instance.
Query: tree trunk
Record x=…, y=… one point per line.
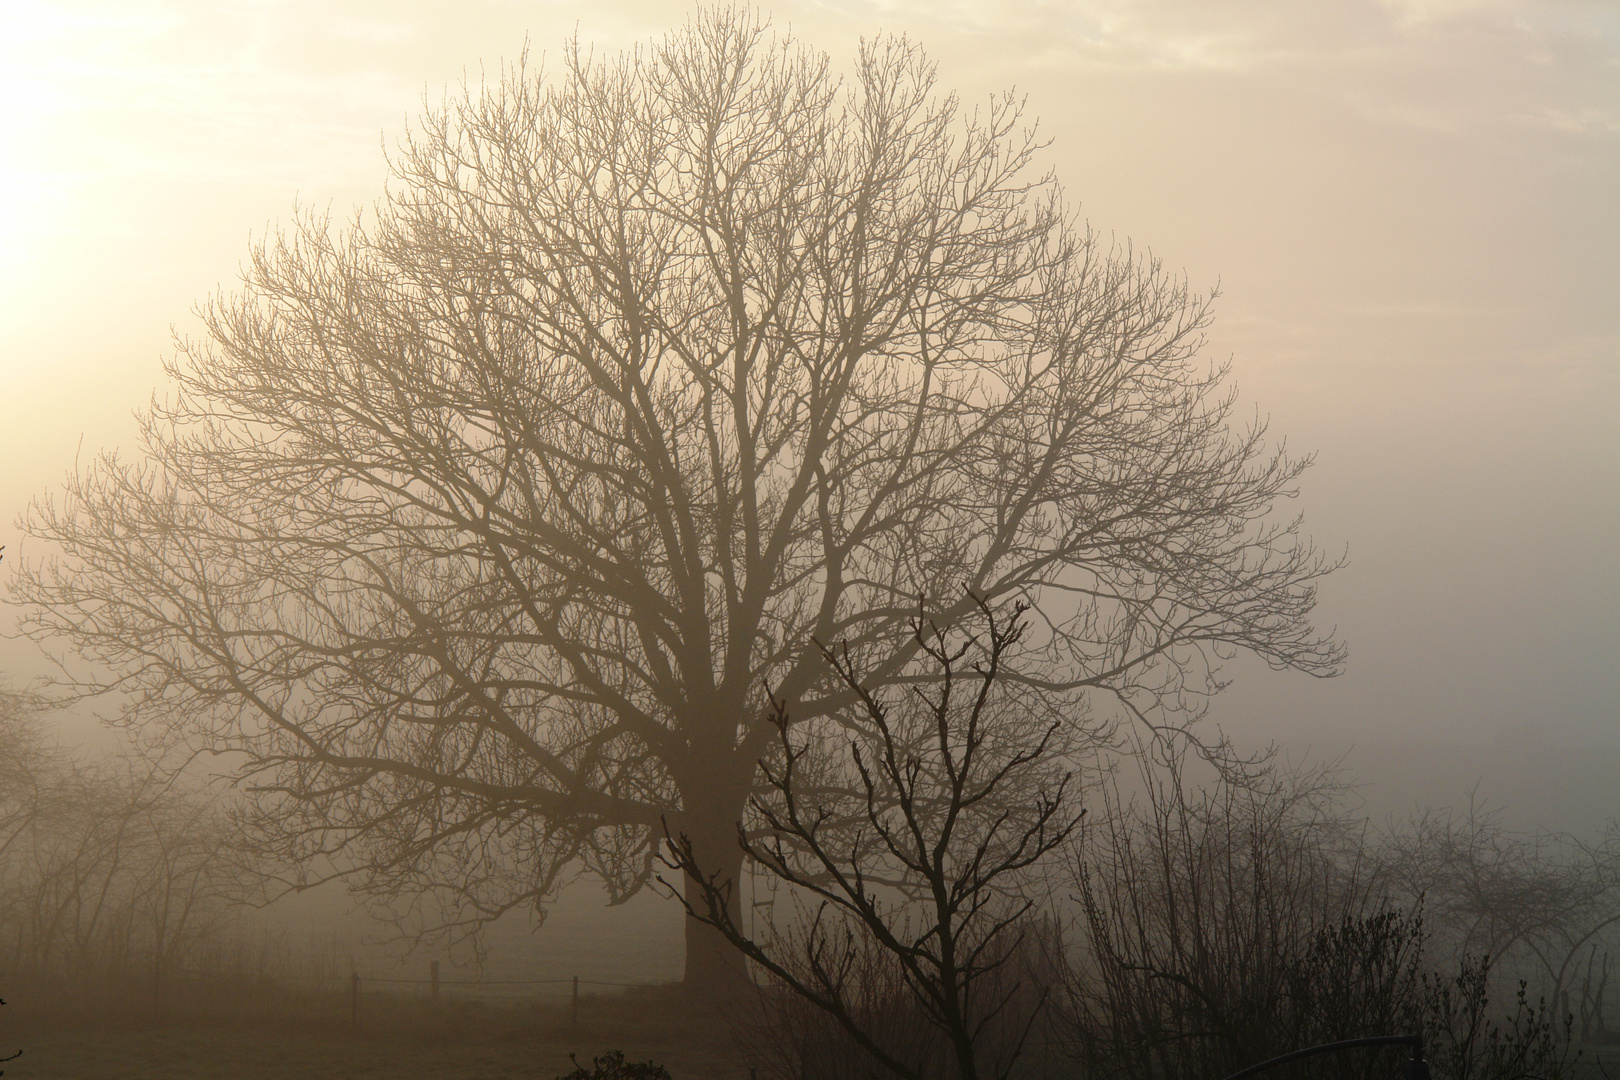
x=713, y=967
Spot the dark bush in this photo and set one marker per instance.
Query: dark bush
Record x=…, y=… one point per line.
x=1228, y=923
x=612, y=1066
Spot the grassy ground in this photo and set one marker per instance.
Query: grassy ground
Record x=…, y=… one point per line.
x=398, y=1038
x=269, y=1036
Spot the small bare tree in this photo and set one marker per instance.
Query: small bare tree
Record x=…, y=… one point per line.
x=1227, y=923
x=1224, y=923
x=917, y=865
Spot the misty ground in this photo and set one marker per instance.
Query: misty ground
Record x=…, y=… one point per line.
x=453, y=1041
x=215, y=1051
x=403, y=1038
x=280, y=1035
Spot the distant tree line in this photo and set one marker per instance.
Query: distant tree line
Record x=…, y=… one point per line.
x=111, y=870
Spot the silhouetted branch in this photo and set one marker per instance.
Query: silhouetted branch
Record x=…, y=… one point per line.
x=957, y=801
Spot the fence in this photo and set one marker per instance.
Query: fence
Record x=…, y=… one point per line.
x=436, y=984
x=336, y=996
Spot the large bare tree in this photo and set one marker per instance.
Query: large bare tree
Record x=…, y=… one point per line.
x=476, y=529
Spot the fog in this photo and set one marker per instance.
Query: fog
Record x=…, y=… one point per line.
x=1409, y=208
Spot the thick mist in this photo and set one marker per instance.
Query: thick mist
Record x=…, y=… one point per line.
x=1401, y=217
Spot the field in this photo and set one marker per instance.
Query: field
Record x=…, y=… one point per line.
x=399, y=1038
x=217, y=1051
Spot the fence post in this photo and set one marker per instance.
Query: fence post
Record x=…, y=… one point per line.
x=354, y=1001
x=574, y=1011
x=433, y=979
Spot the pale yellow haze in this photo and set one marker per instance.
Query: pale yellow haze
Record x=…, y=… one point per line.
x=1413, y=211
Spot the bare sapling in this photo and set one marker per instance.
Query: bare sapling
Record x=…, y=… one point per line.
x=919, y=869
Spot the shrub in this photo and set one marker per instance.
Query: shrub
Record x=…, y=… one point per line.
x=612, y=1066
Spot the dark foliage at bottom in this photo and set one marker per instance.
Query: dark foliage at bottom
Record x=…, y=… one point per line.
x=1229, y=923
x=612, y=1066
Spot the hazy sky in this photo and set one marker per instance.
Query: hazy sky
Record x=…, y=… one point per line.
x=1412, y=208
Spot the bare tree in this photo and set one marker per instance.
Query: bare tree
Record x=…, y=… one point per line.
x=1228, y=923
x=951, y=800
x=25, y=757
x=1541, y=906
x=22, y=753
x=1225, y=923
x=110, y=870
x=474, y=529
